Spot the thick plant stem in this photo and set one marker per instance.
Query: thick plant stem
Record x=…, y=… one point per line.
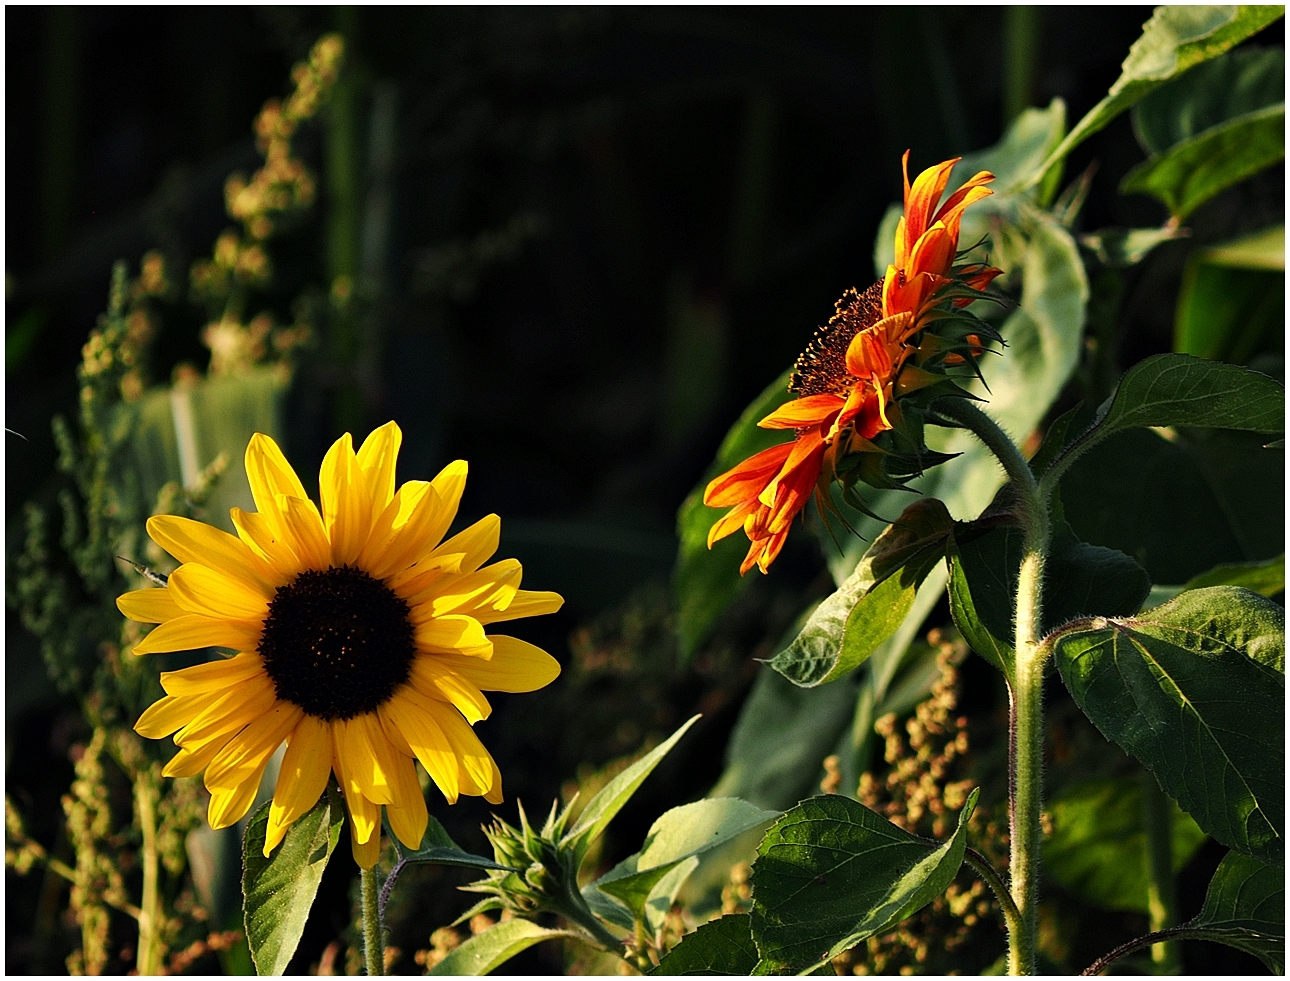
x=1162, y=902
x=373, y=942
x=1026, y=739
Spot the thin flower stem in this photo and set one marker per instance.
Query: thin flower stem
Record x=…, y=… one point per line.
x=1160, y=936
x=1162, y=902
x=990, y=876
x=373, y=943
x=148, y=957
x=1026, y=737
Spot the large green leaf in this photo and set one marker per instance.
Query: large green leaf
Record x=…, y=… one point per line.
x=438, y=848
x=279, y=891
x=1098, y=845
x=724, y=946
x=707, y=580
x=1235, y=84
x=1245, y=908
x=1179, y=502
x=602, y=808
x=831, y=873
x=1175, y=39
x=487, y=951
x=642, y=881
x=1231, y=304
x=1194, y=171
x=870, y=606
x=1195, y=689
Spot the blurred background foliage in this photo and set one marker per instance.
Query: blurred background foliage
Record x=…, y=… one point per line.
x=568, y=245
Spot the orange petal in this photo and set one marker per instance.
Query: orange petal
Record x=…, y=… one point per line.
x=812, y=410
x=747, y=479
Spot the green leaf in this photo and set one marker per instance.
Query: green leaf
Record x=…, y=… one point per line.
x=1098, y=845
x=1124, y=247
x=1265, y=578
x=678, y=836
x=870, y=606
x=1195, y=689
x=1030, y=138
x=1245, y=908
x=1231, y=304
x=487, y=951
x=1196, y=170
x=438, y=848
x=831, y=873
x=1179, y=501
x=279, y=891
x=707, y=580
x=602, y=808
x=1235, y=84
x=971, y=622
x=724, y=946
x=1178, y=390
x=1175, y=39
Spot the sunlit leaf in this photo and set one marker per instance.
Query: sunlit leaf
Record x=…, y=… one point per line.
x=1232, y=298
x=1175, y=39
x=831, y=873
x=1195, y=689
x=1098, y=845
x=279, y=891
x=1245, y=908
x=438, y=848
x=487, y=951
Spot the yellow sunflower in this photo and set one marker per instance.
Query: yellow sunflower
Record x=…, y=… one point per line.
x=361, y=640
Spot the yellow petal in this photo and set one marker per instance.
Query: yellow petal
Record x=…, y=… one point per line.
x=191, y=632
x=492, y=588
x=407, y=710
x=364, y=816
x=270, y=475
x=366, y=756
x=366, y=853
x=411, y=541
x=149, y=605
x=167, y=715
x=229, y=712
x=213, y=676
x=494, y=795
x=374, y=557
x=267, y=542
x=527, y=603
x=302, y=778
x=431, y=677
x=198, y=589
x=304, y=528
x=418, y=582
x=515, y=666
x=248, y=751
x=377, y=458
x=453, y=635
x=189, y=762
x=475, y=765
x=448, y=484
x=477, y=543
x=192, y=541
x=408, y=815
x=346, y=502
x=227, y=807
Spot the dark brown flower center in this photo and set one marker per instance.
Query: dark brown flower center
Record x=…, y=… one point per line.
x=822, y=368
x=337, y=643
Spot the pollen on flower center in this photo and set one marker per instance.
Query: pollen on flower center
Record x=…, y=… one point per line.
x=822, y=368
x=338, y=643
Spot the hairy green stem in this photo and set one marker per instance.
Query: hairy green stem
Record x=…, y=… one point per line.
x=1162, y=904
x=1150, y=939
x=373, y=942
x=990, y=876
x=1026, y=735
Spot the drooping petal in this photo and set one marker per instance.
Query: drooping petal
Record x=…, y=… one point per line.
x=198, y=589
x=408, y=816
x=516, y=666
x=248, y=751
x=149, y=605
x=407, y=712
x=366, y=756
x=213, y=676
x=746, y=479
x=731, y=521
x=189, y=761
x=229, y=806
x=191, y=541
x=366, y=853
x=302, y=779
x=475, y=765
x=228, y=712
x=809, y=411
x=433, y=678
x=191, y=632
x=365, y=817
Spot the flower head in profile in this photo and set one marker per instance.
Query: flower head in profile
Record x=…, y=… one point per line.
x=361, y=642
x=881, y=346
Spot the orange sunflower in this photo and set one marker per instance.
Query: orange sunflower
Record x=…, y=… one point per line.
x=361, y=640
x=857, y=366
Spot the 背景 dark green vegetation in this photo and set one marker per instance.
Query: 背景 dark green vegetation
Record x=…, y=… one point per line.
x=571, y=246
